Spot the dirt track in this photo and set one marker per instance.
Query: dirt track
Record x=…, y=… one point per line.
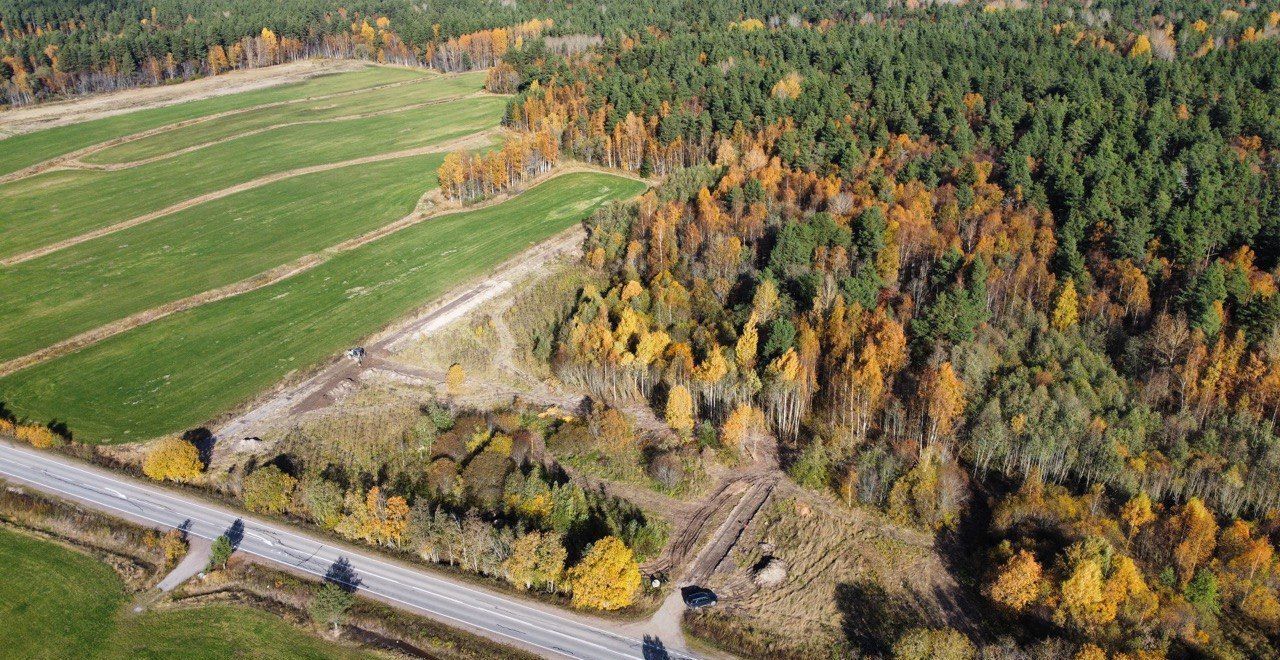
x=97, y=106
x=267, y=278
x=73, y=156
x=468, y=142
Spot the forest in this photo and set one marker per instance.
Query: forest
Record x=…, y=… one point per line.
x=1008, y=275
x=1005, y=272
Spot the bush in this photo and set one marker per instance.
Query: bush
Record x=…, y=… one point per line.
x=173, y=459
x=37, y=436
x=607, y=578
x=929, y=644
x=268, y=490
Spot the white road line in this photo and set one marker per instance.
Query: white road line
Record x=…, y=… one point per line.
x=317, y=573
x=420, y=574
x=260, y=525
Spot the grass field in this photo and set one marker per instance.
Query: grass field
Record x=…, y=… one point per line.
x=56, y=603
x=28, y=149
x=424, y=90
x=58, y=205
x=210, y=245
x=180, y=371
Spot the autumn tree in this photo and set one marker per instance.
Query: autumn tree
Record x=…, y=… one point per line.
x=944, y=399
x=1194, y=532
x=268, y=490
x=375, y=518
x=537, y=559
x=679, y=410
x=1066, y=310
x=173, y=459
x=1018, y=582
x=741, y=426
x=607, y=577
x=455, y=380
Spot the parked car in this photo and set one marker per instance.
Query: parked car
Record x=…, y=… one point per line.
x=698, y=597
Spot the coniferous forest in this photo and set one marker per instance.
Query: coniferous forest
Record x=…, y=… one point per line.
x=1004, y=271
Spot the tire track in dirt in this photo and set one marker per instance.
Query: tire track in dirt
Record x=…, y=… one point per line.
x=51, y=163
x=79, y=164
x=272, y=276
x=466, y=142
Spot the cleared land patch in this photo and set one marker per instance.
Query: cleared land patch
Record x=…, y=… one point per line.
x=188, y=368
x=207, y=246
x=57, y=603
x=57, y=205
x=25, y=150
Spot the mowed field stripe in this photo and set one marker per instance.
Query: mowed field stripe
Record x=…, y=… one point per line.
x=450, y=145
x=81, y=152
x=426, y=89
x=191, y=367
x=277, y=274
x=62, y=204
x=79, y=164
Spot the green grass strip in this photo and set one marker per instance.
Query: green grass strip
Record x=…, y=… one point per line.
x=53, y=298
x=425, y=90
x=27, y=149
x=57, y=603
x=188, y=368
x=59, y=205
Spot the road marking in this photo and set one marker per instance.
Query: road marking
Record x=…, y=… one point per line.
x=251, y=552
x=421, y=574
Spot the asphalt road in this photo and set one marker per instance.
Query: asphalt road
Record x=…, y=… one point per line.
x=542, y=629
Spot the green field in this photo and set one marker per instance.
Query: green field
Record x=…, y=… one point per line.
x=424, y=90
x=56, y=603
x=185, y=369
x=28, y=149
x=180, y=371
x=58, y=205
x=207, y=246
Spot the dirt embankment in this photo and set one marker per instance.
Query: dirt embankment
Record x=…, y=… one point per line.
x=97, y=106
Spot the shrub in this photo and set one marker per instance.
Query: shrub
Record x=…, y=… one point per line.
x=173, y=459
x=268, y=490
x=607, y=578
x=37, y=436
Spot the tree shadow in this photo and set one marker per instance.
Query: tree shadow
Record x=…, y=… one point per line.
x=343, y=574
x=60, y=428
x=203, y=439
x=654, y=649
x=872, y=619
x=235, y=533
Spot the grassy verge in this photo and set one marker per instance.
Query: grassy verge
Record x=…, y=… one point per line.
x=59, y=603
x=190, y=367
x=28, y=149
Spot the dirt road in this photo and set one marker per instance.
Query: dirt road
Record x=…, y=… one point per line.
x=320, y=389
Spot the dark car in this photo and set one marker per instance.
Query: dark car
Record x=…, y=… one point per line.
x=698, y=597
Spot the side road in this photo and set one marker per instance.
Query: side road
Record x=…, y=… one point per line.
x=540, y=628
